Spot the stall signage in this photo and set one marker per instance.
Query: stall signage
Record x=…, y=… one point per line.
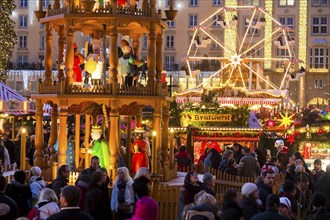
x=211, y=117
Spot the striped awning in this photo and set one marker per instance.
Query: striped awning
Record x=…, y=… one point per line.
x=233, y=100
x=7, y=94
x=18, y=112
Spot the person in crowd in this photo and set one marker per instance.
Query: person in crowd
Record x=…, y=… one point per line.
x=248, y=165
x=20, y=192
x=319, y=208
x=303, y=195
x=297, y=156
x=9, y=144
x=224, y=163
x=265, y=187
x=122, y=197
x=272, y=164
x=98, y=200
x=70, y=210
x=183, y=158
x=317, y=172
x=9, y=209
x=237, y=149
x=212, y=160
x=231, y=168
x=285, y=208
x=209, y=183
x=207, y=203
x=36, y=183
x=203, y=156
x=289, y=191
x=95, y=164
x=250, y=204
x=146, y=209
x=323, y=186
x=271, y=213
x=61, y=180
x=47, y=205
x=4, y=155
x=82, y=183
x=141, y=183
x=230, y=206
x=191, y=187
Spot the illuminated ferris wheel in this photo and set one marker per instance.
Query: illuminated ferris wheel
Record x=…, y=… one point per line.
x=249, y=40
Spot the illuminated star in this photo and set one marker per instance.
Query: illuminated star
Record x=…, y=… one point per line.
x=286, y=120
x=235, y=60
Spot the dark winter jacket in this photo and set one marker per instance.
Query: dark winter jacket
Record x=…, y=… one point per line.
x=250, y=207
x=98, y=202
x=264, y=192
x=248, y=166
x=70, y=213
x=21, y=194
x=189, y=192
x=140, y=187
x=206, y=207
x=319, y=214
x=58, y=184
x=323, y=187
x=5, y=203
x=208, y=189
x=269, y=214
x=230, y=210
x=183, y=158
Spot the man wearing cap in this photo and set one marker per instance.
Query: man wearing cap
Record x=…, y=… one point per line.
x=209, y=183
x=250, y=204
x=285, y=207
x=36, y=183
x=319, y=209
x=271, y=213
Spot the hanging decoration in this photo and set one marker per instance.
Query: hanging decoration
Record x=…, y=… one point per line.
x=286, y=120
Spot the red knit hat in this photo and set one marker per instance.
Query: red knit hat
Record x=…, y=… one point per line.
x=146, y=209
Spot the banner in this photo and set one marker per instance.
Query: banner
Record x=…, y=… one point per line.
x=209, y=117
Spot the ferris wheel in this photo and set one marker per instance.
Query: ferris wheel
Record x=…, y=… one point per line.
x=249, y=40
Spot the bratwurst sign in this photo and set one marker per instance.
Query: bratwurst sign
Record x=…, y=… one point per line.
x=211, y=117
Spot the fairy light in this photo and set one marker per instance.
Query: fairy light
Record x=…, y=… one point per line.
x=230, y=36
x=268, y=30
x=321, y=70
x=302, y=35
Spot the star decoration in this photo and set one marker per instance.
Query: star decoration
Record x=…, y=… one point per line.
x=285, y=120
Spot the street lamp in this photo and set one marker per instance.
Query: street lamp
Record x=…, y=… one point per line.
x=23, y=148
x=154, y=153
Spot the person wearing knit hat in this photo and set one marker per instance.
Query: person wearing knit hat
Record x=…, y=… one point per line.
x=146, y=209
x=285, y=207
x=250, y=203
x=36, y=183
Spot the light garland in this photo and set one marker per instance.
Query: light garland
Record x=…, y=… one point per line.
x=321, y=70
x=302, y=35
x=268, y=30
x=230, y=36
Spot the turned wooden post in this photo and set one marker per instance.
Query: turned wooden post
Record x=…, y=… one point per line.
x=77, y=141
x=113, y=58
x=38, y=154
x=113, y=142
x=69, y=56
x=159, y=62
x=62, y=140
x=151, y=56
x=48, y=62
x=60, y=53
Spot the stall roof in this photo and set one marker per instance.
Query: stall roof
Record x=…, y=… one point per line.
x=7, y=93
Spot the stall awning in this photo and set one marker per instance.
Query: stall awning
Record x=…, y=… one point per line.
x=18, y=112
x=7, y=94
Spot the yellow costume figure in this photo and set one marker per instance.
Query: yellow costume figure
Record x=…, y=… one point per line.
x=100, y=147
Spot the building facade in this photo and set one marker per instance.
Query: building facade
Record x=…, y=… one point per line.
x=308, y=21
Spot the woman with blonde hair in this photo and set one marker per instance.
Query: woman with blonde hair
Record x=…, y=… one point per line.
x=46, y=206
x=122, y=197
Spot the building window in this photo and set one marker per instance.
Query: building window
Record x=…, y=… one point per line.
x=319, y=25
x=170, y=24
x=216, y=2
x=22, y=42
x=23, y=4
x=193, y=20
x=23, y=21
x=42, y=41
x=251, y=2
x=45, y=3
x=167, y=3
x=286, y=2
x=42, y=26
x=22, y=59
x=169, y=42
x=319, y=58
x=169, y=63
x=319, y=2
x=193, y=3
x=253, y=31
x=318, y=84
x=287, y=21
x=145, y=42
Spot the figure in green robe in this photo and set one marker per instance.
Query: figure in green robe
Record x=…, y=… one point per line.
x=100, y=147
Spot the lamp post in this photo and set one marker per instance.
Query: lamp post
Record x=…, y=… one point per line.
x=154, y=153
x=23, y=148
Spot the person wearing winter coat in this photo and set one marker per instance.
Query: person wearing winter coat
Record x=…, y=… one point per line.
x=248, y=165
x=319, y=209
x=191, y=187
x=146, y=209
x=122, y=197
x=8, y=207
x=36, y=183
x=141, y=183
x=183, y=158
x=323, y=186
x=61, y=180
x=4, y=155
x=20, y=192
x=230, y=206
x=265, y=187
x=206, y=203
x=46, y=206
x=251, y=204
x=82, y=184
x=209, y=183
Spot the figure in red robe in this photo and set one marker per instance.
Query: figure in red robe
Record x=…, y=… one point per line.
x=77, y=61
x=139, y=148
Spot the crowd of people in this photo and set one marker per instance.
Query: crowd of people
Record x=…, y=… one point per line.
x=90, y=197
x=304, y=193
